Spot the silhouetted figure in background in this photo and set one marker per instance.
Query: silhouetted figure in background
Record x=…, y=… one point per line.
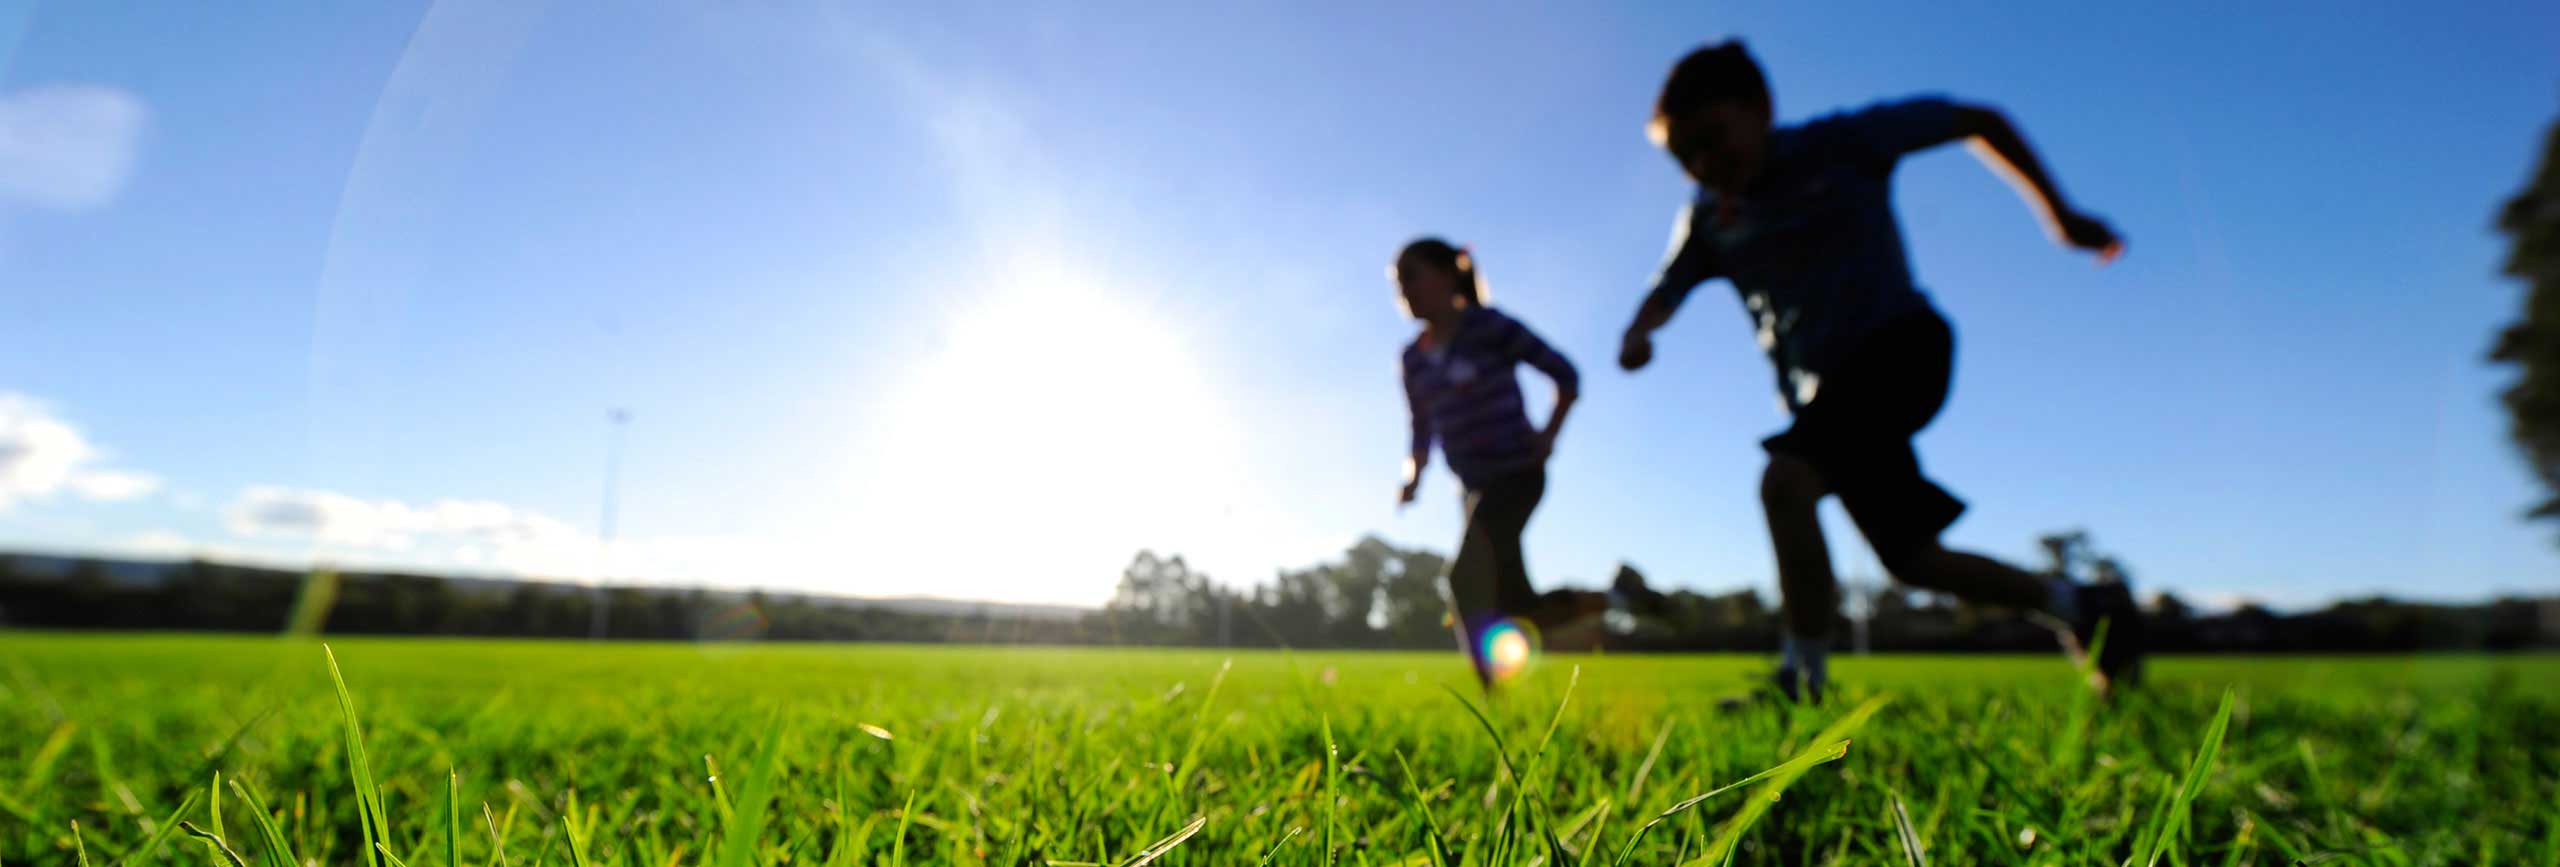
x=1800, y=219
x=1459, y=378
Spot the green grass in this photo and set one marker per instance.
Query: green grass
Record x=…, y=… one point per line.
x=522, y=753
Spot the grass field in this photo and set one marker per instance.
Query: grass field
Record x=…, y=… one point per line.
x=521, y=753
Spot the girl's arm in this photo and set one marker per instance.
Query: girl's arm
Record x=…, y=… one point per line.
x=1419, y=455
x=1526, y=346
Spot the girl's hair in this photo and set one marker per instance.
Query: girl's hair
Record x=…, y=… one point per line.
x=1457, y=260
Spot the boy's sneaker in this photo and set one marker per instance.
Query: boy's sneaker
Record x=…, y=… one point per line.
x=2119, y=661
x=1631, y=594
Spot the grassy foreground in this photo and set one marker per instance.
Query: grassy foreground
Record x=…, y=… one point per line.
x=524, y=753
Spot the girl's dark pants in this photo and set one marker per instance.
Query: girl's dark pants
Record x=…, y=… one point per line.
x=1489, y=579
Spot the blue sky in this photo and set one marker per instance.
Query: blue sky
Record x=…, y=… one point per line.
x=978, y=299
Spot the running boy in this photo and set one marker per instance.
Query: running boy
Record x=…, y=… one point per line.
x=1800, y=219
x=1458, y=378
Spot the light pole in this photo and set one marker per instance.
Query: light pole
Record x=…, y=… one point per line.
x=617, y=417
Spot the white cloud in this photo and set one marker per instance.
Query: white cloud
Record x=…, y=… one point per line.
x=41, y=455
x=67, y=146
x=299, y=527
x=321, y=516
x=469, y=532
x=113, y=485
x=38, y=453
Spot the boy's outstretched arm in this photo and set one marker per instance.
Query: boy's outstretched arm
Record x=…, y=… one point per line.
x=1688, y=265
x=1997, y=143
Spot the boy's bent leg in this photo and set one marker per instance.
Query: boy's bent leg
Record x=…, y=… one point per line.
x=1971, y=577
x=1791, y=493
x=2082, y=608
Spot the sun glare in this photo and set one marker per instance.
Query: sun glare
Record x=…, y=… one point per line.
x=1061, y=427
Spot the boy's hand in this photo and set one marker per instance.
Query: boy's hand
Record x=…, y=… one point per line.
x=1405, y=496
x=2085, y=232
x=1636, y=350
x=1545, y=442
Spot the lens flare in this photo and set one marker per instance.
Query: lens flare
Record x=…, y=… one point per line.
x=1506, y=647
x=739, y=622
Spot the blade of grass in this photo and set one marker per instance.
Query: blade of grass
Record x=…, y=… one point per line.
x=368, y=798
x=1584, y=819
x=569, y=821
x=394, y=860
x=1435, y=844
x=1589, y=846
x=1200, y=726
x=754, y=808
x=214, y=842
x=213, y=805
x=2198, y=771
x=1557, y=720
x=1291, y=834
x=841, y=847
x=1166, y=845
x=213, y=757
x=452, y=818
x=1507, y=822
x=2247, y=844
x=161, y=832
x=1806, y=759
x=1636, y=789
x=719, y=793
x=1556, y=852
x=497, y=843
x=1838, y=732
x=2159, y=814
x=271, y=842
x=2319, y=783
x=1501, y=750
x=40, y=768
x=1912, y=853
x=1331, y=769
x=898, y=844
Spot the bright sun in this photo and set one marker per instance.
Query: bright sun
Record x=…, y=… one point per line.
x=1060, y=428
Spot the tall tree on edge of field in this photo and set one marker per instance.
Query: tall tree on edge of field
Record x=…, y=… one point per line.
x=2532, y=344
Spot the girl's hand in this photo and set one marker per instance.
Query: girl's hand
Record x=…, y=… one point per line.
x=1405, y=497
x=1546, y=444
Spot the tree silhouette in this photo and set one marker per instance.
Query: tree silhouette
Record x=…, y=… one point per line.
x=2532, y=344
x=2064, y=551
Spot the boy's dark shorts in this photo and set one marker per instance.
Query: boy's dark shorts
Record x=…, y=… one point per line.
x=1857, y=433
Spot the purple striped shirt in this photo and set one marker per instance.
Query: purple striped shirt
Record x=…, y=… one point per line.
x=1466, y=397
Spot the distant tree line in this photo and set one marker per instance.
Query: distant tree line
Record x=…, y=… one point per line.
x=1378, y=595
x=1374, y=595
